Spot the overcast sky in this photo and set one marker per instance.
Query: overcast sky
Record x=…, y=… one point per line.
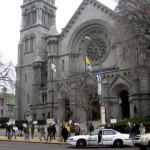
x=10, y=15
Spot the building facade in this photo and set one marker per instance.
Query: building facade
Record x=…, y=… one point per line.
x=53, y=80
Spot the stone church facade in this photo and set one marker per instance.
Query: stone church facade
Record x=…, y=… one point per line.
x=43, y=92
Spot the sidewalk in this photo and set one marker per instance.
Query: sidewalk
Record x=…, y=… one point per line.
x=34, y=140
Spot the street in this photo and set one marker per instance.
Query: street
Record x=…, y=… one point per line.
x=7, y=145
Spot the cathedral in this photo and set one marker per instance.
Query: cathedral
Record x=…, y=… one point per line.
x=53, y=77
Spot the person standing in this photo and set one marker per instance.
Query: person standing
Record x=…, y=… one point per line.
x=77, y=130
x=129, y=129
x=91, y=127
x=68, y=129
x=32, y=131
x=142, y=129
x=49, y=132
x=64, y=133
x=53, y=130
x=99, y=136
x=9, y=131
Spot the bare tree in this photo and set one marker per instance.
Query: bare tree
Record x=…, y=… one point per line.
x=89, y=102
x=7, y=76
x=134, y=20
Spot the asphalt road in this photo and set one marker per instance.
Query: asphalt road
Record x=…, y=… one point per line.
x=8, y=145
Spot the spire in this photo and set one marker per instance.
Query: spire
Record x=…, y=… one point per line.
x=53, y=30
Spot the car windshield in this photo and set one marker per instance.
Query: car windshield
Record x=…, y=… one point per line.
x=95, y=132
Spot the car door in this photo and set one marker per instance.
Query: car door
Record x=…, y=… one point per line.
x=108, y=137
x=93, y=137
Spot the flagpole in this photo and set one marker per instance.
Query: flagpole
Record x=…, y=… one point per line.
x=102, y=108
x=52, y=94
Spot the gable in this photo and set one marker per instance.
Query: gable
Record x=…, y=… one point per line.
x=99, y=7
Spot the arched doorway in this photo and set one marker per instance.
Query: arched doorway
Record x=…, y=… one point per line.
x=124, y=104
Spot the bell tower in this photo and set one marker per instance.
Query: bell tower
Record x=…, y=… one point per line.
x=38, y=12
x=38, y=17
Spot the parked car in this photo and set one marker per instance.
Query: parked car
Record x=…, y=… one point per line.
x=109, y=137
x=142, y=141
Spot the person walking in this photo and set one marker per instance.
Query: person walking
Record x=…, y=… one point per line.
x=26, y=132
x=42, y=132
x=142, y=129
x=13, y=131
x=20, y=130
x=49, y=132
x=32, y=130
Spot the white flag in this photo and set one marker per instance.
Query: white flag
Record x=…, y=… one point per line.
x=53, y=67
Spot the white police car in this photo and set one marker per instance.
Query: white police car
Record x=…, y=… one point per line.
x=109, y=137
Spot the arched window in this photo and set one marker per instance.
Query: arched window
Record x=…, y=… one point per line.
x=26, y=45
x=33, y=14
x=28, y=99
x=27, y=18
x=63, y=65
x=44, y=42
x=31, y=44
x=44, y=15
x=25, y=77
x=32, y=40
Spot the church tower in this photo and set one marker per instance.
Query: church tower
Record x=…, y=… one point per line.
x=38, y=16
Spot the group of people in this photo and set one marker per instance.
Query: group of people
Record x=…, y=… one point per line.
x=66, y=130
x=27, y=129
x=11, y=131
x=69, y=130
x=51, y=131
x=131, y=129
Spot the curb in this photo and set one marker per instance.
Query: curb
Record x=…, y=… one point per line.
x=30, y=141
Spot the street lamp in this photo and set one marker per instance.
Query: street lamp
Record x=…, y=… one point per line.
x=99, y=77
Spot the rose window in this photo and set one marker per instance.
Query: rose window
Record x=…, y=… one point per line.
x=96, y=49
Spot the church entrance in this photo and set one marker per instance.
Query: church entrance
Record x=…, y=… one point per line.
x=124, y=104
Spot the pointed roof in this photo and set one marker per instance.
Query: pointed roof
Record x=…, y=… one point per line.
x=95, y=3
x=38, y=59
x=53, y=30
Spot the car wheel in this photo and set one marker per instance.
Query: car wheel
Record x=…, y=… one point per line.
x=118, y=143
x=81, y=143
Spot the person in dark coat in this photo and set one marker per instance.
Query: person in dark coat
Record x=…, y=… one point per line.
x=99, y=136
x=9, y=131
x=54, y=130
x=32, y=130
x=129, y=129
x=64, y=133
x=91, y=127
x=49, y=132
